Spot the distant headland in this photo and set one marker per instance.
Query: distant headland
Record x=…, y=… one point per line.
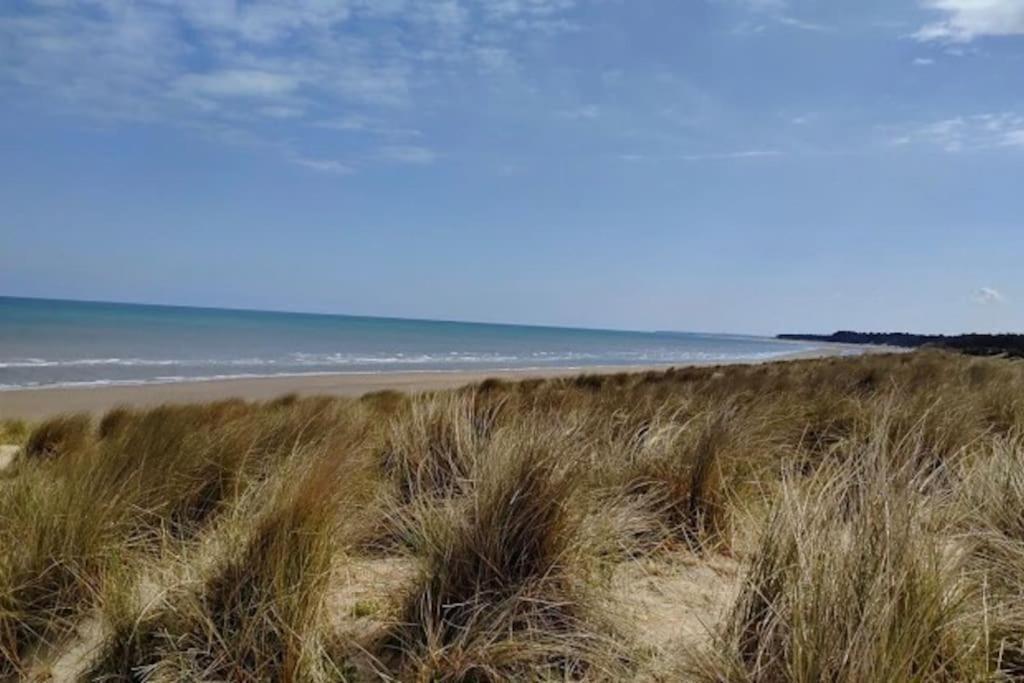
x=973, y=344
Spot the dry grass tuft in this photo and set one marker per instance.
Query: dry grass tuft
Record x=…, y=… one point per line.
x=13, y=431
x=992, y=504
x=849, y=583
x=499, y=597
x=59, y=436
x=259, y=614
x=678, y=478
x=431, y=450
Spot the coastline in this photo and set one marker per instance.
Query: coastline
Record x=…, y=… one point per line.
x=43, y=402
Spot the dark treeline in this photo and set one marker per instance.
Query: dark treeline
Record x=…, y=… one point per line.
x=973, y=344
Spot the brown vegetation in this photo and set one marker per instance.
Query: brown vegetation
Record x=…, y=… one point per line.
x=853, y=519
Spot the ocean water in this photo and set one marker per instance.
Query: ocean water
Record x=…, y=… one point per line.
x=67, y=343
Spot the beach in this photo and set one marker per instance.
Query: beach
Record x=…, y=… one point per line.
x=34, y=404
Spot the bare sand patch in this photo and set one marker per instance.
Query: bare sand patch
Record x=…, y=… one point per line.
x=8, y=454
x=676, y=601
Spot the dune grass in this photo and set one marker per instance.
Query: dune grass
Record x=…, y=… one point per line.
x=13, y=431
x=500, y=592
x=254, y=610
x=870, y=508
x=63, y=435
x=851, y=582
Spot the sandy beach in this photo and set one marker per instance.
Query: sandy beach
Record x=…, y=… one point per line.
x=33, y=404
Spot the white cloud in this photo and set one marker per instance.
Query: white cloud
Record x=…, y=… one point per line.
x=988, y=295
x=793, y=22
x=356, y=123
x=407, y=154
x=726, y=156
x=281, y=112
x=588, y=111
x=233, y=68
x=352, y=122
x=777, y=11
x=965, y=20
x=262, y=22
x=999, y=130
x=525, y=10
x=635, y=158
x=762, y=5
x=1014, y=138
x=749, y=29
x=236, y=83
x=324, y=165
x=923, y=61
x=494, y=59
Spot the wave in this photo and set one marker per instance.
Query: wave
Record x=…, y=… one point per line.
x=169, y=379
x=303, y=359
x=534, y=361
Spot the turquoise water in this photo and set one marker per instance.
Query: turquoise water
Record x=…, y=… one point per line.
x=69, y=343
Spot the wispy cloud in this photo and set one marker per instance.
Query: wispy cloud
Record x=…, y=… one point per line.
x=988, y=295
x=762, y=5
x=234, y=68
x=793, y=22
x=710, y=156
x=773, y=11
x=407, y=154
x=588, y=111
x=962, y=21
x=356, y=123
x=281, y=111
x=967, y=133
x=727, y=156
x=324, y=165
x=249, y=83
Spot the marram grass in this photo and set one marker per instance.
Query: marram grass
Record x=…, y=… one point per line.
x=854, y=519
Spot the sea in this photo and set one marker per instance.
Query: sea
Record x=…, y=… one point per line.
x=57, y=343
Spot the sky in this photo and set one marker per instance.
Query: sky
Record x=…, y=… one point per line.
x=756, y=166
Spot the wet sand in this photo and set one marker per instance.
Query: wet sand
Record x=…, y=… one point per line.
x=34, y=404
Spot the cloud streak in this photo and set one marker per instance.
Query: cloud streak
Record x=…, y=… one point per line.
x=728, y=156
x=991, y=131
x=232, y=68
x=711, y=156
x=962, y=21
x=988, y=296
x=324, y=165
x=408, y=154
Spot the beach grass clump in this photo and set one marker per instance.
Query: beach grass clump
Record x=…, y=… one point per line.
x=992, y=509
x=59, y=534
x=259, y=613
x=14, y=431
x=853, y=580
x=499, y=597
x=114, y=422
x=431, y=449
x=59, y=436
x=162, y=475
x=678, y=477
x=184, y=465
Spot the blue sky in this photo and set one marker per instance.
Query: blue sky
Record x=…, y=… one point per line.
x=720, y=165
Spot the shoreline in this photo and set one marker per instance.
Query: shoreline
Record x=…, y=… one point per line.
x=41, y=402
